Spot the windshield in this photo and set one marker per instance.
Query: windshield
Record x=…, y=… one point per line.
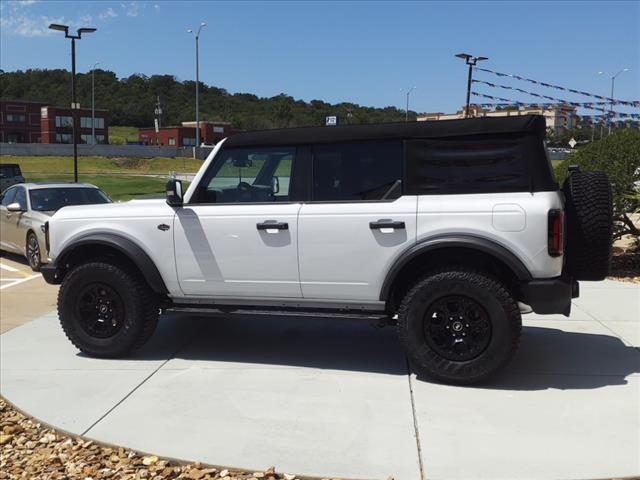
x=52, y=199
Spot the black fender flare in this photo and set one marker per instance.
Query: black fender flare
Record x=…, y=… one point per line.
x=471, y=242
x=127, y=247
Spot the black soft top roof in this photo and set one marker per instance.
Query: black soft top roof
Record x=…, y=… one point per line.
x=531, y=124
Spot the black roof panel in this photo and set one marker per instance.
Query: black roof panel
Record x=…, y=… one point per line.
x=534, y=124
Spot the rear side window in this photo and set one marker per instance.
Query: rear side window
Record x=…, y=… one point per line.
x=357, y=171
x=471, y=165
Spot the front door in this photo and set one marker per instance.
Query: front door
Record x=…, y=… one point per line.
x=357, y=223
x=238, y=235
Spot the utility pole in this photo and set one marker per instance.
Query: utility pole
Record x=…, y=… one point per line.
x=406, y=112
x=471, y=61
x=93, y=103
x=74, y=105
x=613, y=81
x=197, y=35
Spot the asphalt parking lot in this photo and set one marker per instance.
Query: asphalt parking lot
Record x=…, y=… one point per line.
x=336, y=398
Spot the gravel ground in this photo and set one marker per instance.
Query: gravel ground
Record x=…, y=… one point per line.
x=29, y=450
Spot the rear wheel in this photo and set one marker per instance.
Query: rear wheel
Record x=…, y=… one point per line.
x=459, y=326
x=33, y=252
x=105, y=310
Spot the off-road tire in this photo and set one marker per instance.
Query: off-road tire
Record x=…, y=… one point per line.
x=139, y=304
x=32, y=251
x=589, y=220
x=501, y=309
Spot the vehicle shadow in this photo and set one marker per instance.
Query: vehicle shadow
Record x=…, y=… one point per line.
x=548, y=357
x=14, y=257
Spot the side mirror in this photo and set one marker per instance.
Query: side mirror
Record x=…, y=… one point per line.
x=275, y=184
x=174, y=193
x=15, y=207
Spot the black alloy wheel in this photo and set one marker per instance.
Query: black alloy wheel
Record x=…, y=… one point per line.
x=101, y=310
x=457, y=328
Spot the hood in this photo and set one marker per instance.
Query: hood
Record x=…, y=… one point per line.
x=132, y=208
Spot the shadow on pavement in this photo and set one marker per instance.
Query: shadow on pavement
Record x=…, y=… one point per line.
x=548, y=357
x=14, y=257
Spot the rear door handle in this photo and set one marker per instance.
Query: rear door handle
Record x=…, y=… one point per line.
x=385, y=224
x=272, y=225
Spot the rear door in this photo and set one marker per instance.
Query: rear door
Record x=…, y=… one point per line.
x=357, y=222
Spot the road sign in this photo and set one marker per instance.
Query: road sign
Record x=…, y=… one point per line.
x=572, y=142
x=331, y=121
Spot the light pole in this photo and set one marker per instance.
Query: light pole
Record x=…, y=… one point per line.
x=93, y=103
x=613, y=81
x=74, y=105
x=471, y=61
x=408, y=92
x=197, y=35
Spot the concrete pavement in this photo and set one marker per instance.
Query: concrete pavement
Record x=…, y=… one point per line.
x=334, y=398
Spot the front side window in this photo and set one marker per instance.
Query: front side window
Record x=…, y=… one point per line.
x=8, y=195
x=21, y=198
x=237, y=175
x=357, y=171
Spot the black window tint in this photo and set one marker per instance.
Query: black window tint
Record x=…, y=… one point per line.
x=357, y=171
x=471, y=165
x=21, y=198
x=8, y=196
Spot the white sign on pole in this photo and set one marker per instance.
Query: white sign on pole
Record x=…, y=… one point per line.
x=155, y=123
x=331, y=121
x=572, y=142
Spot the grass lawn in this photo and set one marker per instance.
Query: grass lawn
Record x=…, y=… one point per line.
x=116, y=186
x=122, y=135
x=63, y=165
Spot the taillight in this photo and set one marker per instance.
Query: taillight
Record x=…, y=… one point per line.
x=555, y=235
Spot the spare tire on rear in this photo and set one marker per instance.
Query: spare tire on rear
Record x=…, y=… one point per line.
x=589, y=217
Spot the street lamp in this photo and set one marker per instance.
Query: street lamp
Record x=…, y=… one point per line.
x=471, y=61
x=197, y=35
x=408, y=92
x=93, y=103
x=613, y=81
x=74, y=105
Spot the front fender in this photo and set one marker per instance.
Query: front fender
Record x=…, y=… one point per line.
x=54, y=272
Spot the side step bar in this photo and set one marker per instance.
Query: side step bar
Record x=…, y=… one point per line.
x=225, y=311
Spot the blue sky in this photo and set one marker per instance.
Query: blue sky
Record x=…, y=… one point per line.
x=362, y=52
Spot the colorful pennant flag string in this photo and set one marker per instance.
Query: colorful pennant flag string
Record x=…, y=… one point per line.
x=634, y=103
x=559, y=102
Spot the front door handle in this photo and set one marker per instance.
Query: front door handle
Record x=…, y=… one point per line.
x=272, y=225
x=386, y=224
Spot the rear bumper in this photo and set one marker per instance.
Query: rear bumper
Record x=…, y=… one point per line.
x=552, y=295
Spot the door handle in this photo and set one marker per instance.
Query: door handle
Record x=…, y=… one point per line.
x=386, y=224
x=272, y=225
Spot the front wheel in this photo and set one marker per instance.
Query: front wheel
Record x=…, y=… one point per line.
x=33, y=252
x=459, y=326
x=106, y=310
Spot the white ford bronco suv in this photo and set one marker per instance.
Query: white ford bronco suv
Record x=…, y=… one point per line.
x=450, y=229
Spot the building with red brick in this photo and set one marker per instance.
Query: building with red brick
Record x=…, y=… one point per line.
x=20, y=121
x=185, y=135
x=56, y=125
x=37, y=122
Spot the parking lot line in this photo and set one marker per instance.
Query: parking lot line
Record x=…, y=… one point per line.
x=19, y=281
x=8, y=268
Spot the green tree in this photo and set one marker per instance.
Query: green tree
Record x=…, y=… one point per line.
x=618, y=155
